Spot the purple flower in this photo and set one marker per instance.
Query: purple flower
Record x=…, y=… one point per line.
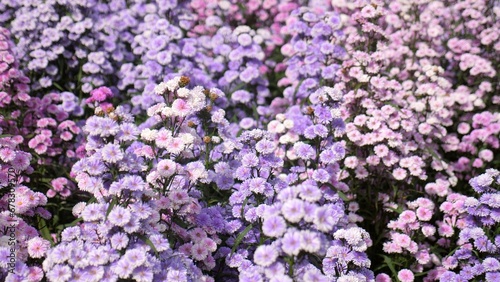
x=250, y=160
x=265, y=255
x=293, y=210
x=112, y=153
x=291, y=243
x=119, y=216
x=59, y=273
x=304, y=151
x=274, y=226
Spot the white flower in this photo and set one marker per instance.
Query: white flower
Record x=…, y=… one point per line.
x=160, y=88
x=148, y=134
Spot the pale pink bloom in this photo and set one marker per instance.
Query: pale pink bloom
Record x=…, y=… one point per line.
x=382, y=277
x=445, y=229
x=408, y=216
x=166, y=168
x=381, y=150
x=175, y=145
x=405, y=275
x=392, y=247
x=351, y=162
x=181, y=107
x=424, y=214
x=373, y=160
x=37, y=247
x=402, y=240
x=486, y=155
x=463, y=128
x=428, y=230
x=399, y=173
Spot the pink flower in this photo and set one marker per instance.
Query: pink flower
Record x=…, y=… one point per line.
x=408, y=216
x=382, y=277
x=37, y=247
x=477, y=163
x=381, y=150
x=166, y=168
x=399, y=173
x=424, y=214
x=486, y=155
x=463, y=128
x=351, y=162
x=402, y=240
x=181, y=107
x=405, y=275
x=100, y=94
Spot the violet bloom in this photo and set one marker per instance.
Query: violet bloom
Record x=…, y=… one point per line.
x=304, y=151
x=112, y=153
x=274, y=226
x=265, y=255
x=291, y=243
x=293, y=210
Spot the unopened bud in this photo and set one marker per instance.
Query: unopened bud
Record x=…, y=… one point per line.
x=213, y=96
x=113, y=116
x=208, y=108
x=184, y=81
x=110, y=109
x=98, y=111
x=309, y=110
x=207, y=139
x=191, y=124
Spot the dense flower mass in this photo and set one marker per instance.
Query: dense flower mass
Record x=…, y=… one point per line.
x=256, y=140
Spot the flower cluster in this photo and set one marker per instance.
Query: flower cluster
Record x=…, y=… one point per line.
x=19, y=205
x=478, y=242
x=72, y=46
x=145, y=183
x=258, y=140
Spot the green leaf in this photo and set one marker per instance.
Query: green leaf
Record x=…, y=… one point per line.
x=390, y=264
x=111, y=206
x=240, y=238
x=58, y=86
x=243, y=207
x=44, y=230
x=343, y=196
x=149, y=243
x=179, y=222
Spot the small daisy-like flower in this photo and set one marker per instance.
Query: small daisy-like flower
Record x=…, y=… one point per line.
x=265, y=255
x=199, y=252
x=293, y=210
x=351, y=162
x=175, y=145
x=274, y=226
x=310, y=241
x=399, y=173
x=291, y=243
x=119, y=216
x=136, y=257
x=250, y=160
x=166, y=168
x=181, y=107
x=119, y=241
x=37, y=247
x=381, y=150
x=60, y=273
x=304, y=151
x=112, y=153
x=406, y=275
x=21, y=161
